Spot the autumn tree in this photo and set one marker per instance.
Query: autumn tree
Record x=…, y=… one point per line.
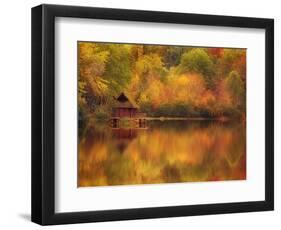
x=92, y=87
x=163, y=80
x=198, y=61
x=234, y=85
x=173, y=55
x=148, y=68
x=232, y=59
x=118, y=69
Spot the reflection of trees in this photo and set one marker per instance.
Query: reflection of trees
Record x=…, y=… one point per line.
x=197, y=151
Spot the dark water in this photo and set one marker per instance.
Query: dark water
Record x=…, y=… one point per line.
x=163, y=152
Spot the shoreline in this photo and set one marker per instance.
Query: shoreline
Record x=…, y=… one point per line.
x=221, y=119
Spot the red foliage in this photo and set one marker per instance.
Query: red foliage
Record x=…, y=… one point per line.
x=216, y=52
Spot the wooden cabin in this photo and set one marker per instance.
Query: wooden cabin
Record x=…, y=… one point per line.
x=126, y=108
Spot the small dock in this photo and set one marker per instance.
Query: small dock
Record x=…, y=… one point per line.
x=135, y=122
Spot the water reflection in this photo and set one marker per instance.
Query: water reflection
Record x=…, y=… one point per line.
x=163, y=152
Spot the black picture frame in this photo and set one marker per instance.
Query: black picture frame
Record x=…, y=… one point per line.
x=43, y=114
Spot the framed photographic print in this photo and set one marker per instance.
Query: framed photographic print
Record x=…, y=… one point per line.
x=141, y=114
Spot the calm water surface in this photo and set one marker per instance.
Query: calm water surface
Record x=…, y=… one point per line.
x=163, y=152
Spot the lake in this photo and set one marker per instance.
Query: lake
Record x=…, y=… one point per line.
x=161, y=152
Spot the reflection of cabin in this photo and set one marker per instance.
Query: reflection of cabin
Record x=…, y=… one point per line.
x=123, y=137
x=124, y=134
x=126, y=108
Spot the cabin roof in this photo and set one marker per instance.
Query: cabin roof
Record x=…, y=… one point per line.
x=124, y=101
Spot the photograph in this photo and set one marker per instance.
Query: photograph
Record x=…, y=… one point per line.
x=156, y=114
x=142, y=113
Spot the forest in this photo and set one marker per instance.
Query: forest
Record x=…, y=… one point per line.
x=164, y=81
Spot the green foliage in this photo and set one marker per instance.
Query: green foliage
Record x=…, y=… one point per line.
x=147, y=107
x=197, y=61
x=151, y=49
x=173, y=56
x=150, y=65
x=149, y=68
x=174, y=110
x=234, y=85
x=178, y=109
x=118, y=68
x=101, y=113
